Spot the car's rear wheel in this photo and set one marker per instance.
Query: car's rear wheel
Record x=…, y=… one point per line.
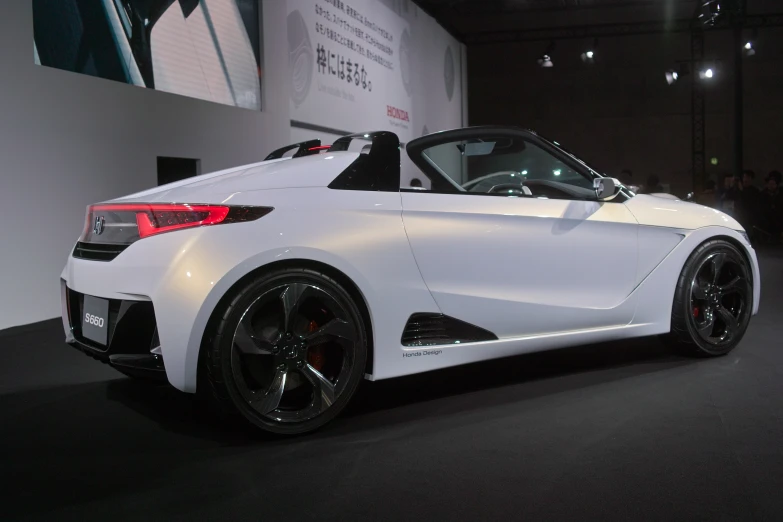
x=288, y=351
x=713, y=300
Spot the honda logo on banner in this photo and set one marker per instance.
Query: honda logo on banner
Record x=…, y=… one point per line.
x=397, y=114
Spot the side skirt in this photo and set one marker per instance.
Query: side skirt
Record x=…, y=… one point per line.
x=409, y=360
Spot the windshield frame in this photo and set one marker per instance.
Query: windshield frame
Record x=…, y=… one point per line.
x=629, y=193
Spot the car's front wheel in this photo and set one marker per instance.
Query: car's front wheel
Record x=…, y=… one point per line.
x=713, y=301
x=288, y=351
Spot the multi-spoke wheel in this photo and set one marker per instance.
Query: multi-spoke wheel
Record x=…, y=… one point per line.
x=289, y=351
x=713, y=300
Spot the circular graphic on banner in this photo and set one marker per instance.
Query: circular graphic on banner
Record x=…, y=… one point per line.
x=425, y=131
x=448, y=73
x=301, y=62
x=405, y=62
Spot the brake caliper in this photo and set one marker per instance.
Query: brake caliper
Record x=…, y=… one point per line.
x=315, y=355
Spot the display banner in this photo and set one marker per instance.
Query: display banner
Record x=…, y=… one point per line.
x=350, y=66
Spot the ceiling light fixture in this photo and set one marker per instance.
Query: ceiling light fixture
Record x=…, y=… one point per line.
x=676, y=73
x=709, y=12
x=546, y=59
x=750, y=46
x=589, y=55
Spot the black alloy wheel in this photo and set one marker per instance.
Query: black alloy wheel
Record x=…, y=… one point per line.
x=289, y=352
x=714, y=299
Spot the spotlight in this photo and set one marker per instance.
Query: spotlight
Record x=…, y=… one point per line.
x=545, y=61
x=546, y=58
x=709, y=11
x=589, y=55
x=706, y=74
x=749, y=49
x=673, y=75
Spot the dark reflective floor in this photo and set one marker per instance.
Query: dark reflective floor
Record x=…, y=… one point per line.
x=619, y=431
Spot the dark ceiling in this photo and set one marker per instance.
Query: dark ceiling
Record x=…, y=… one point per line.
x=467, y=18
x=516, y=6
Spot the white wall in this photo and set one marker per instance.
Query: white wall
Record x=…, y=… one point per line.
x=68, y=140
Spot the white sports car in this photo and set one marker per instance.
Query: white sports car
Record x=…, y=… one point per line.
x=275, y=288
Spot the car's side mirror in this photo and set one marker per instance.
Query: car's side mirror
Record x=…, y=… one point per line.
x=605, y=188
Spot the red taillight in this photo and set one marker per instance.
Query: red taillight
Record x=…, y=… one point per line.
x=165, y=218
x=127, y=222
x=319, y=148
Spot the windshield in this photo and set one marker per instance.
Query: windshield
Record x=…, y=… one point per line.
x=479, y=164
x=629, y=191
x=573, y=156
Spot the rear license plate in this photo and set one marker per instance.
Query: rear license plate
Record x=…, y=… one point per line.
x=95, y=319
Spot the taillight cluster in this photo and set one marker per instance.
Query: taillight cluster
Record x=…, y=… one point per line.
x=157, y=219
x=124, y=223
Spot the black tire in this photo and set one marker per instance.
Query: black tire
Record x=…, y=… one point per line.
x=711, y=310
x=233, y=367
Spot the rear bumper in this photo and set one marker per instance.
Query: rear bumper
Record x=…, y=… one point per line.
x=183, y=274
x=156, y=271
x=133, y=346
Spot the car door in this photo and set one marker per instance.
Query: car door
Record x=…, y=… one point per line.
x=526, y=249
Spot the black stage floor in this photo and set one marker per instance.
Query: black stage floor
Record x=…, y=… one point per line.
x=620, y=431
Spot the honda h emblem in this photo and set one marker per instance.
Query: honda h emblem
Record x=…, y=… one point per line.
x=98, y=225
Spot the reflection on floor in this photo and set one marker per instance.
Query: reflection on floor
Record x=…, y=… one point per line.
x=618, y=431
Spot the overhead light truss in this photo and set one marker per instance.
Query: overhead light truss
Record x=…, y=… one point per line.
x=625, y=29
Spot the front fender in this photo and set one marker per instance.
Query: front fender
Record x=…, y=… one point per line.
x=656, y=211
x=655, y=294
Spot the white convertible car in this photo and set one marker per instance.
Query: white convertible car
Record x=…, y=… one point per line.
x=274, y=288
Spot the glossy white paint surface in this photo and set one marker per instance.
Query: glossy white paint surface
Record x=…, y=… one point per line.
x=521, y=266
x=310, y=171
x=539, y=273
x=664, y=212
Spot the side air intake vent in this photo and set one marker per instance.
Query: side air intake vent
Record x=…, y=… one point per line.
x=433, y=329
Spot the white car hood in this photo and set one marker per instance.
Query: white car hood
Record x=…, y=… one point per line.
x=674, y=213
x=310, y=171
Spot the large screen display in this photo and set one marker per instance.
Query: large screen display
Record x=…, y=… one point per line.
x=206, y=49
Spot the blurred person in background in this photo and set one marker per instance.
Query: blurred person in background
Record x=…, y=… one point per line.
x=730, y=194
x=626, y=178
x=771, y=207
x=652, y=186
x=748, y=201
x=707, y=197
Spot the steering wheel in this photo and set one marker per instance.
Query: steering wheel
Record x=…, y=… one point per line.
x=513, y=189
